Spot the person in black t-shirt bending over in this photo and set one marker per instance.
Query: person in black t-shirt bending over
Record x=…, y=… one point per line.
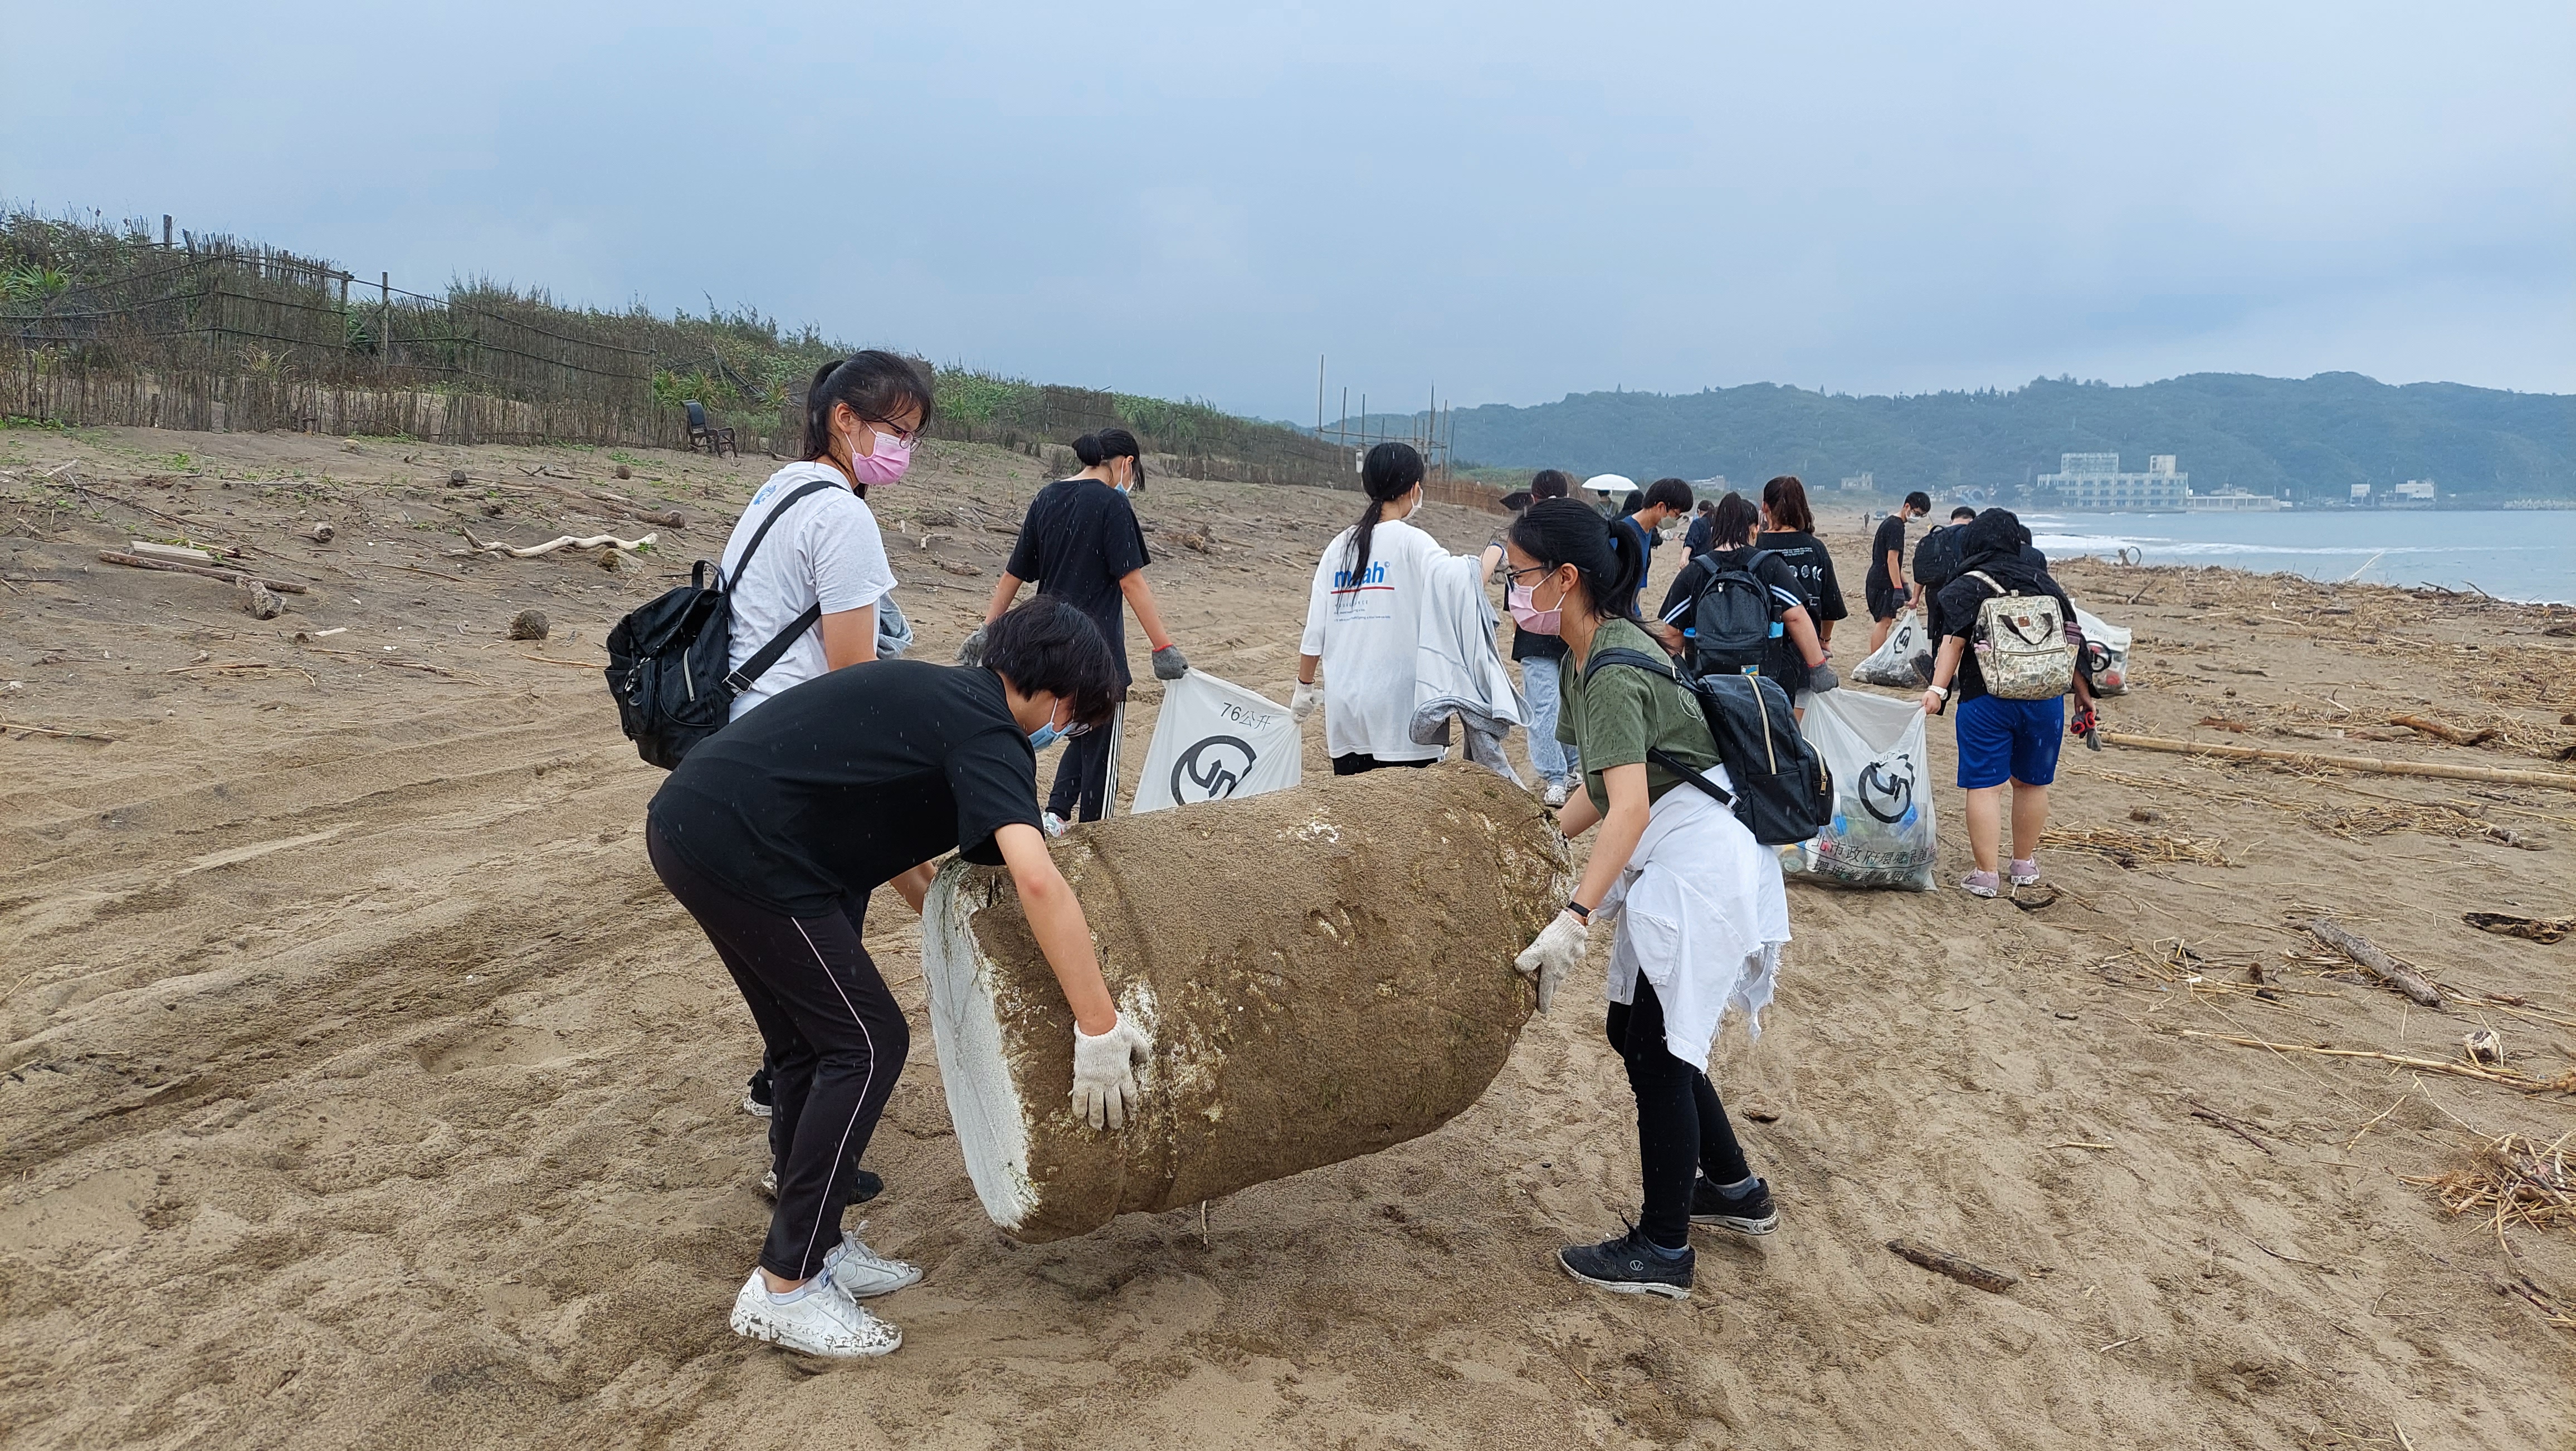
x=1886, y=584
x=1080, y=543
x=773, y=832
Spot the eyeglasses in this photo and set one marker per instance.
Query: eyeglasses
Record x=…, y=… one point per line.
x=904, y=436
x=1541, y=570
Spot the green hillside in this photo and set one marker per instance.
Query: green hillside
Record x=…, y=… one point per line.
x=2310, y=438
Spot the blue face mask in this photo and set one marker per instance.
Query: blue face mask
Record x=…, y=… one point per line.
x=1045, y=736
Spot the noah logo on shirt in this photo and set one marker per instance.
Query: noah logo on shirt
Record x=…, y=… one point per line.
x=1344, y=584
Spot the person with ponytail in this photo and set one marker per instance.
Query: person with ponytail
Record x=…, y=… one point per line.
x=1366, y=620
x=1789, y=530
x=822, y=570
x=1701, y=914
x=1080, y=543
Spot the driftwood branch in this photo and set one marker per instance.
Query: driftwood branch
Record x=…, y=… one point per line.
x=1966, y=1272
x=2559, y=779
x=590, y=541
x=228, y=576
x=2387, y=969
x=2454, y=734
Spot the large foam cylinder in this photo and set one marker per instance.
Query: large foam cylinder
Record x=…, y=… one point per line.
x=1325, y=971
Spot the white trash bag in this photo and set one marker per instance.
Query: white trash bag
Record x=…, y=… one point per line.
x=1881, y=834
x=2113, y=678
x=1904, y=660
x=1214, y=740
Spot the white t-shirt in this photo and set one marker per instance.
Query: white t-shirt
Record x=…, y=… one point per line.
x=1369, y=632
x=826, y=551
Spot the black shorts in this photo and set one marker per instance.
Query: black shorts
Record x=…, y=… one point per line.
x=1886, y=602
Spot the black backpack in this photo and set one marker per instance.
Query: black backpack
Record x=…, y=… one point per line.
x=1783, y=791
x=1936, y=559
x=1732, y=616
x=667, y=661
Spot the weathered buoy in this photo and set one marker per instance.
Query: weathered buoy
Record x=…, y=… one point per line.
x=1325, y=972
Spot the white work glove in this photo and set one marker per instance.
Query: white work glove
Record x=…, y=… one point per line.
x=1104, y=1073
x=1302, y=702
x=1558, y=948
x=972, y=652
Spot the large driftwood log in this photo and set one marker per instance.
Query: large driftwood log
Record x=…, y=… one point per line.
x=2380, y=965
x=1325, y=972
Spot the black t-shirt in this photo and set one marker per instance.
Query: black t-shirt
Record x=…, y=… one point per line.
x=1955, y=609
x=1646, y=540
x=848, y=781
x=1080, y=538
x=1815, y=570
x=1781, y=660
x=1889, y=539
x=1695, y=538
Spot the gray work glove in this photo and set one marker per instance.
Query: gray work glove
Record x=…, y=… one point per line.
x=1105, y=1091
x=1821, y=678
x=1170, y=663
x=972, y=652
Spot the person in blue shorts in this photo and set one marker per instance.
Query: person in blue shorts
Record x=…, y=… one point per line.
x=2000, y=740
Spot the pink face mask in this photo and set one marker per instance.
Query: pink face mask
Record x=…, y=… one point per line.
x=886, y=465
x=1528, y=617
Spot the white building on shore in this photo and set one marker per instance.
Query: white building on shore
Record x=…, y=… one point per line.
x=2094, y=481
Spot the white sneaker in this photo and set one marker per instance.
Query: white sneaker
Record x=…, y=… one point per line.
x=861, y=1273
x=819, y=1320
x=754, y=1107
x=1053, y=823
x=769, y=1184
x=1555, y=795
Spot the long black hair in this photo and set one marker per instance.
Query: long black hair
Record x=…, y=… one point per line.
x=1388, y=473
x=1559, y=532
x=874, y=384
x=1095, y=449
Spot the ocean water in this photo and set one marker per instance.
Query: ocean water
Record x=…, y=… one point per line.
x=2511, y=554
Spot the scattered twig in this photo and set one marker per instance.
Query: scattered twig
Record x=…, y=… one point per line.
x=2506, y=1077
x=567, y=541
x=228, y=576
x=2234, y=1125
x=1966, y=1272
x=15, y=725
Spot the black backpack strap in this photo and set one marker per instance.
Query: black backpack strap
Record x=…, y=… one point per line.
x=758, y=665
x=762, y=532
x=1661, y=757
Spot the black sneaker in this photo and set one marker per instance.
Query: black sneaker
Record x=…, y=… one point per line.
x=1629, y=1266
x=755, y=1094
x=1750, y=1212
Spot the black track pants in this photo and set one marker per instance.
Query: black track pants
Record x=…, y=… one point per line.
x=1681, y=1127
x=836, y=1042
x=1081, y=787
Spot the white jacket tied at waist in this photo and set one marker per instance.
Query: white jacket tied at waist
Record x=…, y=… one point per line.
x=1702, y=916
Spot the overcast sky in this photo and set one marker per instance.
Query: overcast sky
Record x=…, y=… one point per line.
x=1513, y=201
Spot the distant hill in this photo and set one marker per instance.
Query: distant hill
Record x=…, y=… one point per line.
x=2311, y=438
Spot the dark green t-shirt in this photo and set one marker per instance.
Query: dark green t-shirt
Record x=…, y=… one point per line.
x=1613, y=720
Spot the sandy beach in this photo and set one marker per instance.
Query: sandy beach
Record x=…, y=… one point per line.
x=362, y=1086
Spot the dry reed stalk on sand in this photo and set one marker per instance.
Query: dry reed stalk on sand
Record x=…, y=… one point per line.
x=2564, y=1083
x=2431, y=820
x=2129, y=848
x=2516, y=1180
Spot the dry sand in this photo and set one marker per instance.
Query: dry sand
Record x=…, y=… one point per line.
x=362, y=1087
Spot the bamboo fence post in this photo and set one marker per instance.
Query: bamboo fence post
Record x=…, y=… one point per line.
x=2435, y=769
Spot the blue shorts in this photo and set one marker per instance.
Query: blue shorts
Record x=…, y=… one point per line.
x=2009, y=740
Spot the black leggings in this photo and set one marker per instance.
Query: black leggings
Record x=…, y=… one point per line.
x=1361, y=762
x=1682, y=1129
x=1082, y=785
x=836, y=1042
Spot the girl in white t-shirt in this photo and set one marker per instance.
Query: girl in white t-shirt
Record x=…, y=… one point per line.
x=1364, y=620
x=862, y=416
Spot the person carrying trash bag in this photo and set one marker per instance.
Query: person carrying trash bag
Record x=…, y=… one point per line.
x=2008, y=653
x=1369, y=615
x=1700, y=910
x=1080, y=542
x=773, y=832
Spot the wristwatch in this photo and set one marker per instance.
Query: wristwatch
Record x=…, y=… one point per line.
x=1581, y=913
